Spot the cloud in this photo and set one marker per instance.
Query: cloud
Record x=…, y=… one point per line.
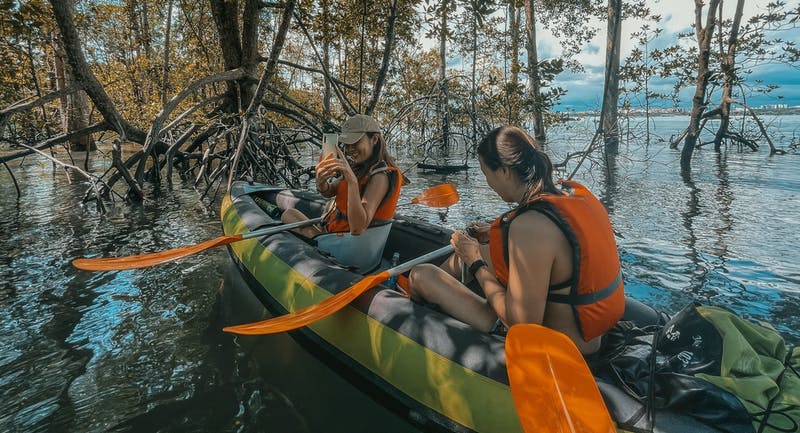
x=583, y=90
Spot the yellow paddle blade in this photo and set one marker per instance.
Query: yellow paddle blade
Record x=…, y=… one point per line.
x=552, y=387
x=443, y=195
x=311, y=313
x=152, y=259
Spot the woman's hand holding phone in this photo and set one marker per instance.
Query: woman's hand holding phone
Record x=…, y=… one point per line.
x=335, y=166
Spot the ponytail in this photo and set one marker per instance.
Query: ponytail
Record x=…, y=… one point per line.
x=509, y=146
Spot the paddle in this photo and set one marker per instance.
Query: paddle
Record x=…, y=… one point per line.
x=152, y=259
x=438, y=196
x=552, y=387
x=333, y=304
x=443, y=195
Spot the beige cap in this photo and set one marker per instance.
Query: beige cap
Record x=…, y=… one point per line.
x=355, y=126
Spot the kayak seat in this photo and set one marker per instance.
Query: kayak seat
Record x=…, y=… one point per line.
x=362, y=252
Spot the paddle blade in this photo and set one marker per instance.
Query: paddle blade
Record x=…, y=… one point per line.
x=552, y=387
x=152, y=259
x=311, y=313
x=443, y=195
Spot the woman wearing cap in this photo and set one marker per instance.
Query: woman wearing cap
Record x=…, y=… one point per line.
x=363, y=179
x=552, y=260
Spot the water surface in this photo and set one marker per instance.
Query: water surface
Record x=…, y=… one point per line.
x=143, y=351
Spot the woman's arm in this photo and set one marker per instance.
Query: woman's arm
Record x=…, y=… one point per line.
x=532, y=240
x=360, y=210
x=327, y=169
x=468, y=250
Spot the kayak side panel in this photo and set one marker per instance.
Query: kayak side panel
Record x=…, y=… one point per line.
x=475, y=401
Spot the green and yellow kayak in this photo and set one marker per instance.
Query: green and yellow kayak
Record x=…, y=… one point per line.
x=449, y=376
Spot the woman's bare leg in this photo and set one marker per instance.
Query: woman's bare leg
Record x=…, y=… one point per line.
x=432, y=284
x=293, y=215
x=452, y=265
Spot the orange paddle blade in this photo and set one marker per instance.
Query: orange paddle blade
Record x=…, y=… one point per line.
x=443, y=195
x=152, y=259
x=311, y=313
x=552, y=387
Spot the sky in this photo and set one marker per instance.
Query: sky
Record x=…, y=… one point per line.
x=585, y=89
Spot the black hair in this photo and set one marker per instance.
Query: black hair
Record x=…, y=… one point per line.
x=509, y=146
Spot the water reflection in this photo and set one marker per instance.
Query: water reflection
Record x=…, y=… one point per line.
x=724, y=200
x=697, y=269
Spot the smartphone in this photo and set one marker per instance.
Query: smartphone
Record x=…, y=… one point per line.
x=329, y=145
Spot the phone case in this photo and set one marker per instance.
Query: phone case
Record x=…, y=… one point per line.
x=329, y=144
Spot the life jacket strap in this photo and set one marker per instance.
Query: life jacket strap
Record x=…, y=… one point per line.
x=588, y=298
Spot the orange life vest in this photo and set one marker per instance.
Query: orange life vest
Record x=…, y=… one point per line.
x=336, y=220
x=597, y=293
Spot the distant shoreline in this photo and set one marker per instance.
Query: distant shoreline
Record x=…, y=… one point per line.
x=663, y=112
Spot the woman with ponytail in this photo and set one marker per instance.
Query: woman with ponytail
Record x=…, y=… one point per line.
x=552, y=260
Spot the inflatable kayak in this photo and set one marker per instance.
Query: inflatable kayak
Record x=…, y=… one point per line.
x=447, y=375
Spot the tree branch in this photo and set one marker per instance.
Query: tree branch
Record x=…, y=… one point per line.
x=153, y=134
x=18, y=107
x=50, y=142
x=90, y=177
x=318, y=71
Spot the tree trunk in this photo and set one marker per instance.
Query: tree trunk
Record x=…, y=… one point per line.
x=250, y=115
x=133, y=26
x=167, y=46
x=728, y=67
x=238, y=51
x=326, y=59
x=514, y=34
x=62, y=11
x=73, y=107
x=610, y=124
x=704, y=36
x=387, y=58
x=444, y=111
x=35, y=79
x=146, y=36
x=473, y=92
x=59, y=61
x=533, y=72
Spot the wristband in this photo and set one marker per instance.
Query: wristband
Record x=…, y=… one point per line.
x=477, y=264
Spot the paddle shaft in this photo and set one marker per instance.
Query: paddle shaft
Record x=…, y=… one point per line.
x=403, y=267
x=281, y=228
x=329, y=306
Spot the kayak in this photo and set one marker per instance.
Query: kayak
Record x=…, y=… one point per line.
x=447, y=375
